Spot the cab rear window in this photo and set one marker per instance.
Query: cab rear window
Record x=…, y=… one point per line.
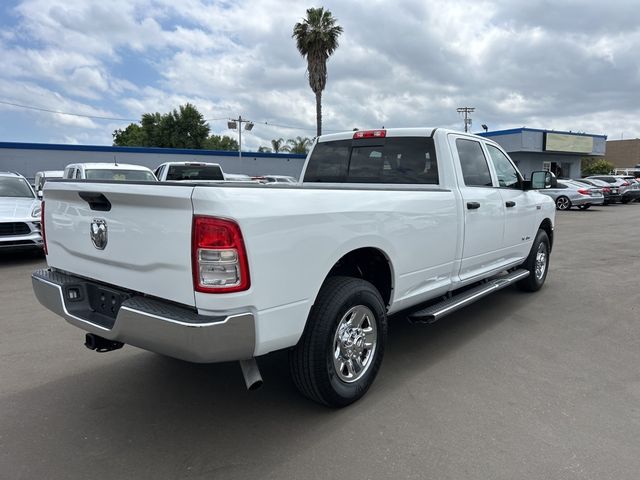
x=393, y=160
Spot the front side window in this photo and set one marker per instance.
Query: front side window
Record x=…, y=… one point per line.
x=506, y=172
x=475, y=170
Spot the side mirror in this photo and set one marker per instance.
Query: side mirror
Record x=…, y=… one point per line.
x=541, y=180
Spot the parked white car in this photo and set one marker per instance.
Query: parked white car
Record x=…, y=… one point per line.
x=19, y=213
x=108, y=171
x=421, y=221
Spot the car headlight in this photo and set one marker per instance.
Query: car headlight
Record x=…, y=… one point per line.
x=36, y=211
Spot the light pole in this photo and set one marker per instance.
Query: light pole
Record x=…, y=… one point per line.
x=234, y=123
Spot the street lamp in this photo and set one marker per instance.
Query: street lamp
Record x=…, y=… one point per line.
x=234, y=123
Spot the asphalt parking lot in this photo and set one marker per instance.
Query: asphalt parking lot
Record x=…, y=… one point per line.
x=517, y=386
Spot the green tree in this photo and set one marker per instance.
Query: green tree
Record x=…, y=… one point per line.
x=132, y=136
x=221, y=142
x=316, y=39
x=182, y=128
x=299, y=145
x=600, y=166
x=264, y=149
x=278, y=145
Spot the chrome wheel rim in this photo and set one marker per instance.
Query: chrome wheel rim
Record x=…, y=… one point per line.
x=354, y=343
x=562, y=203
x=541, y=261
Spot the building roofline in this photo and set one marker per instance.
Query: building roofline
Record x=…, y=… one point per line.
x=156, y=150
x=513, y=131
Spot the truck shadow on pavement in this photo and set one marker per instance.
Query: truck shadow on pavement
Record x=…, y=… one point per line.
x=141, y=415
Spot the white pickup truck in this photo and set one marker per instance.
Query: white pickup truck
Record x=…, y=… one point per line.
x=419, y=221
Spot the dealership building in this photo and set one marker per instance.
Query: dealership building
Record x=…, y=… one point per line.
x=555, y=151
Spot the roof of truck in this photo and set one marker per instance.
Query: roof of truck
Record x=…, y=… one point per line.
x=109, y=166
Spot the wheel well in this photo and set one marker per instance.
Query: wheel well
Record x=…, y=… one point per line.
x=546, y=226
x=371, y=265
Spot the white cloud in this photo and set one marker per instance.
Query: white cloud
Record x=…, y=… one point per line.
x=412, y=62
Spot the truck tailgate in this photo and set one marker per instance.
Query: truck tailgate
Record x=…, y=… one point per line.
x=148, y=235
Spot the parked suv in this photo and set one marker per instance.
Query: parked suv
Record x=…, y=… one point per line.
x=19, y=212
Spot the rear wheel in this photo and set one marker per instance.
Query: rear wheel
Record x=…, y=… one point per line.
x=537, y=263
x=584, y=207
x=563, y=203
x=340, y=352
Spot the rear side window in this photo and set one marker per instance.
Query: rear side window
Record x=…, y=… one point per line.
x=475, y=169
x=394, y=160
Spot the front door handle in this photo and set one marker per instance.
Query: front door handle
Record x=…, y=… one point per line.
x=473, y=205
x=510, y=204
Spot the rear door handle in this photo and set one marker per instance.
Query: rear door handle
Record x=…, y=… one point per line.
x=473, y=205
x=510, y=204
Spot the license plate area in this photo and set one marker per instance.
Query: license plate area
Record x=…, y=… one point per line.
x=105, y=301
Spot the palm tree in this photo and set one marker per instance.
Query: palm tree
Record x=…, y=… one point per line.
x=317, y=38
x=278, y=145
x=299, y=145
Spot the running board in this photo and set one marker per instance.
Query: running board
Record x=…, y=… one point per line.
x=435, y=312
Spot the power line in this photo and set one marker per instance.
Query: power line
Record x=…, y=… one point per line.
x=40, y=109
x=99, y=117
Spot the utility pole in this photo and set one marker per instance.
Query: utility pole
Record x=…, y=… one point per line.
x=467, y=118
x=234, y=123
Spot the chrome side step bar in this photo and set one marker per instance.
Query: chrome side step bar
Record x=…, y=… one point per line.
x=435, y=312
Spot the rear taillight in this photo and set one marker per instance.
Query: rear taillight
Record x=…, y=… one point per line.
x=370, y=134
x=584, y=191
x=625, y=184
x=219, y=259
x=44, y=236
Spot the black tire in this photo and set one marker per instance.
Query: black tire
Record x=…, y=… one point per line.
x=563, y=203
x=534, y=282
x=584, y=207
x=625, y=200
x=312, y=359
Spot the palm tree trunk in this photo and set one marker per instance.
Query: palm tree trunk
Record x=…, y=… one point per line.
x=319, y=112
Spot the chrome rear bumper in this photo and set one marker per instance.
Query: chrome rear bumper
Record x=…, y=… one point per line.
x=146, y=323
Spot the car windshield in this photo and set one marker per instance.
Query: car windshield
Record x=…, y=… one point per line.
x=119, y=174
x=15, y=187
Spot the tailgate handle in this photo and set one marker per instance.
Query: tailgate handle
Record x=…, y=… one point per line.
x=96, y=200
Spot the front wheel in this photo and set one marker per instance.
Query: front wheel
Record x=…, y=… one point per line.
x=563, y=203
x=537, y=263
x=340, y=352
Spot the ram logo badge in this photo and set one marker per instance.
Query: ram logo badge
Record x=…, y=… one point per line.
x=98, y=233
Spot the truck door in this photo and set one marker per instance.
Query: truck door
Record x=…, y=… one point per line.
x=483, y=209
x=520, y=206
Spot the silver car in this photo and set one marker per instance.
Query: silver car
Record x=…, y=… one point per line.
x=570, y=193
x=19, y=213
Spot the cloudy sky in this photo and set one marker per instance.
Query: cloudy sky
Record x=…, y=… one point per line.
x=564, y=65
